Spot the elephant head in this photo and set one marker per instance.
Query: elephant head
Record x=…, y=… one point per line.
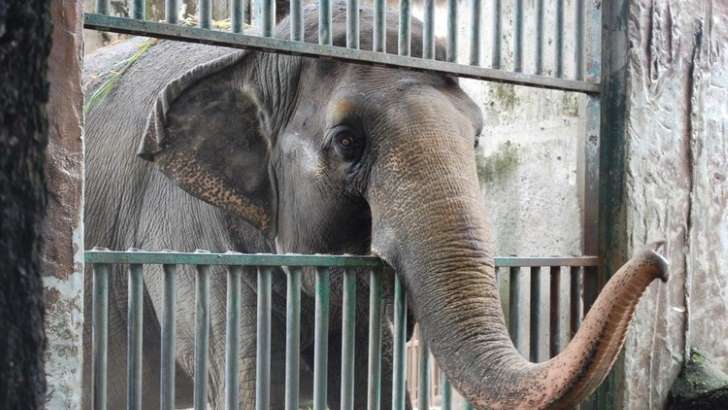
x=329, y=157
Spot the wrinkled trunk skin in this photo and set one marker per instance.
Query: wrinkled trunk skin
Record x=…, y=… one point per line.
x=429, y=224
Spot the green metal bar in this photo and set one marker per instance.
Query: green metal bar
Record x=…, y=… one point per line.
x=134, y=337
x=202, y=336
x=269, y=18
x=100, y=334
x=232, y=339
x=168, y=338
x=579, y=40
x=348, y=341
x=423, y=396
x=559, y=39
x=452, y=31
x=518, y=36
x=380, y=26
x=557, y=326
x=352, y=24
x=296, y=20
x=539, y=36
x=496, y=38
x=138, y=9
x=468, y=406
x=237, y=15
x=235, y=40
x=576, y=309
x=102, y=6
x=374, y=367
x=475, y=14
x=171, y=11
x=517, y=312
x=190, y=258
x=400, y=336
x=446, y=394
x=324, y=34
x=321, y=339
x=536, y=316
x=428, y=30
x=205, y=14
x=293, y=337
x=262, y=364
x=405, y=23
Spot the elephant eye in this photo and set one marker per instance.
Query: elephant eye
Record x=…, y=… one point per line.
x=347, y=143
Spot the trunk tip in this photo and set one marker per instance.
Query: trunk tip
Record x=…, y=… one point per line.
x=651, y=256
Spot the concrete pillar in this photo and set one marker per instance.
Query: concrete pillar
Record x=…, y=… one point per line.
x=62, y=254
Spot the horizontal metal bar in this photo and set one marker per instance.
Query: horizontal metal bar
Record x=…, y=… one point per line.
x=236, y=40
x=508, y=261
x=193, y=258
x=189, y=258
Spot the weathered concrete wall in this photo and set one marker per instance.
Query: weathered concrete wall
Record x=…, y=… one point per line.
x=62, y=263
x=666, y=178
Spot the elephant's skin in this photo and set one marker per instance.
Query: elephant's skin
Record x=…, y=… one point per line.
x=191, y=146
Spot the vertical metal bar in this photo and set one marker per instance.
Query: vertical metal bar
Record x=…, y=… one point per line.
x=536, y=315
x=293, y=337
x=102, y=6
x=496, y=46
x=171, y=11
x=202, y=336
x=100, y=334
x=468, y=406
x=423, y=396
x=475, y=14
x=400, y=336
x=539, y=37
x=503, y=278
x=138, y=9
x=296, y=20
x=405, y=22
x=428, y=30
x=352, y=25
x=232, y=339
x=269, y=18
x=321, y=338
x=374, y=367
x=518, y=37
x=237, y=15
x=324, y=34
x=134, y=337
x=205, y=13
x=579, y=40
x=559, y=43
x=348, y=346
x=556, y=321
x=380, y=26
x=168, y=338
x=446, y=394
x=575, y=283
x=519, y=311
x=452, y=31
x=263, y=332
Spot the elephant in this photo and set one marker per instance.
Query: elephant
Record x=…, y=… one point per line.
x=194, y=146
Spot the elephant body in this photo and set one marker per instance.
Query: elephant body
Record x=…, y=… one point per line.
x=191, y=147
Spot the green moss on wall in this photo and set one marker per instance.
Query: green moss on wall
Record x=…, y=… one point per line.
x=505, y=95
x=499, y=164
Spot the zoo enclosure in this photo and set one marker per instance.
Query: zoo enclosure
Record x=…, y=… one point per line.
x=584, y=281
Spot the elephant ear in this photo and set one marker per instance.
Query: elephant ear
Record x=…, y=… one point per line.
x=209, y=134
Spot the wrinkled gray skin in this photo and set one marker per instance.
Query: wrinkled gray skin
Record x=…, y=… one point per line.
x=212, y=148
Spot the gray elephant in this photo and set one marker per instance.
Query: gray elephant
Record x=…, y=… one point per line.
x=192, y=146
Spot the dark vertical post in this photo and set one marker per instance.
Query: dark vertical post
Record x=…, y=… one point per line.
x=452, y=30
x=134, y=337
x=374, y=367
x=352, y=24
x=496, y=40
x=321, y=338
x=536, y=315
x=100, y=334
x=324, y=34
x=380, y=26
x=293, y=337
x=296, y=20
x=518, y=36
x=171, y=11
x=428, y=30
x=400, y=334
x=232, y=339
x=205, y=14
x=237, y=15
x=262, y=365
x=556, y=320
x=539, y=36
x=405, y=22
x=475, y=13
x=202, y=336
x=138, y=9
x=169, y=327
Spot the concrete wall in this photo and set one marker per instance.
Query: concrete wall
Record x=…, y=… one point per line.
x=667, y=179
x=62, y=253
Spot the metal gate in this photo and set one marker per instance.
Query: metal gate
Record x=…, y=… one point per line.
x=581, y=273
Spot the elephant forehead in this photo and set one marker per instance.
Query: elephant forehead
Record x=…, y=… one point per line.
x=340, y=109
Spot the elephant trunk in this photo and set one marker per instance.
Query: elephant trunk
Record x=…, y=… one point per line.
x=428, y=222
